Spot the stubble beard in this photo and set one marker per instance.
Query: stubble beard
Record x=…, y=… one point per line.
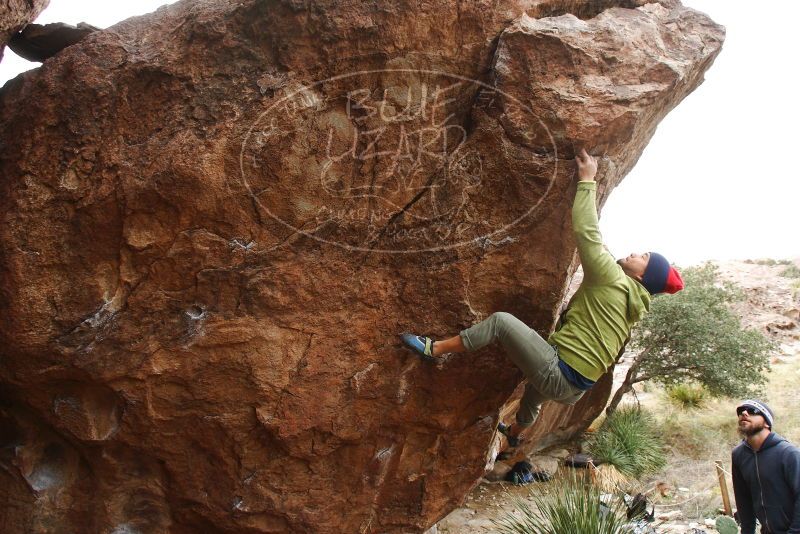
x=751, y=430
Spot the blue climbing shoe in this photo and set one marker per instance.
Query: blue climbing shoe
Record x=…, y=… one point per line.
x=421, y=345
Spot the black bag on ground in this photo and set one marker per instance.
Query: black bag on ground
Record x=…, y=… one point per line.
x=522, y=474
x=637, y=508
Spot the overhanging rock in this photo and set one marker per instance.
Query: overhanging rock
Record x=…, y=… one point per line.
x=15, y=15
x=217, y=218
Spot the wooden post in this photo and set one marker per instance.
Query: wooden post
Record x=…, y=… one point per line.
x=723, y=487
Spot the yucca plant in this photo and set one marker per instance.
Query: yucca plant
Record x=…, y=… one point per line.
x=687, y=395
x=572, y=507
x=629, y=441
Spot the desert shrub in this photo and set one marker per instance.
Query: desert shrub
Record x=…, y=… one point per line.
x=694, y=336
x=792, y=271
x=687, y=395
x=629, y=440
x=770, y=262
x=572, y=507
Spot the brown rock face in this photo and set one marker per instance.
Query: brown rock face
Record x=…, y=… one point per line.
x=15, y=15
x=218, y=217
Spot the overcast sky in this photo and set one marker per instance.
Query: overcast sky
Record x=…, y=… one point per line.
x=718, y=180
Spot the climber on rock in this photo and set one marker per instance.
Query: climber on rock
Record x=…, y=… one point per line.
x=613, y=296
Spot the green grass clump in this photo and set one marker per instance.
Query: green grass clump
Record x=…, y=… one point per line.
x=688, y=395
x=629, y=440
x=572, y=507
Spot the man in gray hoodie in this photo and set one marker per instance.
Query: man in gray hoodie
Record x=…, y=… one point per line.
x=766, y=474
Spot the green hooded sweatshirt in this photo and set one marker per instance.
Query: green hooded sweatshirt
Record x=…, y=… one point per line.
x=608, y=303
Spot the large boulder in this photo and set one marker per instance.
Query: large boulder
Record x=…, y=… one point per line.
x=217, y=218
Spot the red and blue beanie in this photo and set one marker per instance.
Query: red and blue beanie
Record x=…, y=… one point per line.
x=660, y=276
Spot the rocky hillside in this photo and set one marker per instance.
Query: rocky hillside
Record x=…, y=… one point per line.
x=772, y=296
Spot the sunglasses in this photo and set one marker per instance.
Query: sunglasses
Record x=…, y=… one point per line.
x=749, y=409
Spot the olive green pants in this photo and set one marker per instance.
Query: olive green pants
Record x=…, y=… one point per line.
x=532, y=354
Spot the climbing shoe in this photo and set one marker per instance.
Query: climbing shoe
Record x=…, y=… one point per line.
x=421, y=345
